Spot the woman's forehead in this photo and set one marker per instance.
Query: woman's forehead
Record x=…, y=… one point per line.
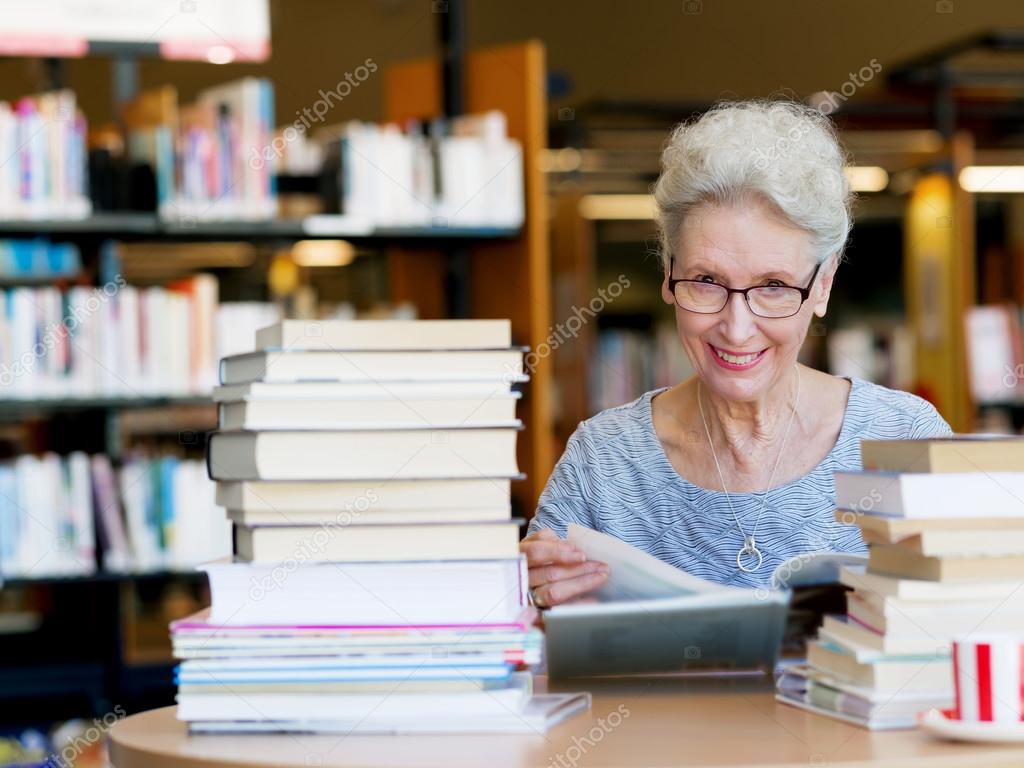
x=765, y=261
x=744, y=239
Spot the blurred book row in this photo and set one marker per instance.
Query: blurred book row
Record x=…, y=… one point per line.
x=43, y=146
x=995, y=353
x=218, y=159
x=72, y=515
x=455, y=172
x=119, y=340
x=630, y=362
x=882, y=352
x=201, y=154
x=38, y=260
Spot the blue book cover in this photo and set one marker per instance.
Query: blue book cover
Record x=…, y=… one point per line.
x=167, y=467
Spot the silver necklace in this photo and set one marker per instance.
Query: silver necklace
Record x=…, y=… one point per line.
x=749, y=548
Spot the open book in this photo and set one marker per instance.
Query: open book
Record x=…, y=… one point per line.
x=653, y=617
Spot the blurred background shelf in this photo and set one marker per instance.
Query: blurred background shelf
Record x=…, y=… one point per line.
x=34, y=407
x=142, y=226
x=101, y=577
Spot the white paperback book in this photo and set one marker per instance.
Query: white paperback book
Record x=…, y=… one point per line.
x=542, y=712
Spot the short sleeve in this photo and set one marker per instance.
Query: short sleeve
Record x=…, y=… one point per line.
x=929, y=423
x=564, y=499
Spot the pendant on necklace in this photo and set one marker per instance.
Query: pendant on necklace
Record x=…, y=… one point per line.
x=749, y=550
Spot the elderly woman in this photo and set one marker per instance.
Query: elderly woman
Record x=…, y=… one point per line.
x=729, y=473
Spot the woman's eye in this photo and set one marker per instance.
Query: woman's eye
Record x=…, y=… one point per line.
x=705, y=278
x=775, y=284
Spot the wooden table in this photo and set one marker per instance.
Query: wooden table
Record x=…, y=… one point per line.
x=663, y=721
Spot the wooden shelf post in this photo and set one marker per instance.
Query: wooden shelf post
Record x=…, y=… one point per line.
x=508, y=279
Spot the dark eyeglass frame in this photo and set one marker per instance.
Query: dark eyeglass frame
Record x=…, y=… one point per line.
x=804, y=292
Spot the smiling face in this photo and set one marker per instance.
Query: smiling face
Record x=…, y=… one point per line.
x=740, y=245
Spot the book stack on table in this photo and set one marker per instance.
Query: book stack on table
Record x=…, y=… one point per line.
x=377, y=583
x=944, y=523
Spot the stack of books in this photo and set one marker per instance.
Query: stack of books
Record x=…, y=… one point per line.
x=944, y=524
x=377, y=583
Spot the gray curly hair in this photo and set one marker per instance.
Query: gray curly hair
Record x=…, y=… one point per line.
x=782, y=152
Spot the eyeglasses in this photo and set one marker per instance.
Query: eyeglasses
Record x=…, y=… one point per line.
x=771, y=301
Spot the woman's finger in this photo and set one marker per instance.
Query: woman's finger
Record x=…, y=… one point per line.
x=543, y=552
x=557, y=592
x=547, y=574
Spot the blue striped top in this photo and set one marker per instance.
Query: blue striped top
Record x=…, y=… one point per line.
x=614, y=477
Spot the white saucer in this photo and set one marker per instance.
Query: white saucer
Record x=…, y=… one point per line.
x=941, y=723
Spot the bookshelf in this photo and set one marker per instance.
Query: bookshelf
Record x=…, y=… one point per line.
x=105, y=577
x=28, y=407
x=144, y=226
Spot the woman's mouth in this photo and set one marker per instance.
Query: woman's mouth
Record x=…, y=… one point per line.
x=735, y=361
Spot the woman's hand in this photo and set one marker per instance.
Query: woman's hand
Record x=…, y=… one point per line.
x=559, y=571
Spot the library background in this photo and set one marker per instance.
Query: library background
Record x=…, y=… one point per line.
x=175, y=175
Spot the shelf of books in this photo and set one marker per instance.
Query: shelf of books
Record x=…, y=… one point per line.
x=146, y=226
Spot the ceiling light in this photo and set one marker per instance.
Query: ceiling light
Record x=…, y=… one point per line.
x=323, y=253
x=220, y=54
x=993, y=178
x=867, y=178
x=622, y=207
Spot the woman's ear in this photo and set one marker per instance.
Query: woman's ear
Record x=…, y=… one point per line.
x=824, y=281
x=666, y=294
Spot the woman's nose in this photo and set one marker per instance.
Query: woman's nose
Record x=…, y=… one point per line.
x=738, y=322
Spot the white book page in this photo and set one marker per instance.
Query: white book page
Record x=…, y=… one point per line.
x=633, y=574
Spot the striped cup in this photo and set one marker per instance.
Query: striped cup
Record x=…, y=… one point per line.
x=987, y=669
